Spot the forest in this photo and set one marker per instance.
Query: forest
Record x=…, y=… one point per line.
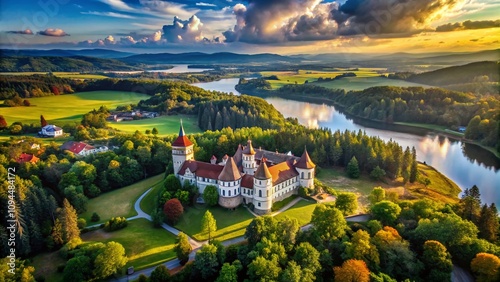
x=61, y=64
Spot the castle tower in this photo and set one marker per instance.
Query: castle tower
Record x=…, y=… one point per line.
x=182, y=150
x=263, y=189
x=305, y=168
x=229, y=183
x=248, y=159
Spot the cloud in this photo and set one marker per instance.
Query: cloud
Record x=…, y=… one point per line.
x=108, y=14
x=55, y=32
x=184, y=31
x=118, y=5
x=164, y=8
x=205, y=4
x=467, y=25
x=274, y=21
x=26, y=31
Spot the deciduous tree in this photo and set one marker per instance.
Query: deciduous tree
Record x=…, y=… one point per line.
x=160, y=274
x=386, y=212
x=437, y=262
x=347, y=203
x=486, y=267
x=210, y=195
x=209, y=224
x=182, y=248
x=173, y=210
x=329, y=222
x=206, y=262
x=352, y=271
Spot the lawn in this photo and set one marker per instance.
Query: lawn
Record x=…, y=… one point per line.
x=440, y=189
x=230, y=224
x=148, y=203
x=119, y=202
x=278, y=205
x=70, y=107
x=302, y=211
x=46, y=266
x=363, y=82
x=144, y=245
x=165, y=124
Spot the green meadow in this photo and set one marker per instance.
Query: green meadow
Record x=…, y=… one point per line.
x=365, y=78
x=70, y=107
x=165, y=124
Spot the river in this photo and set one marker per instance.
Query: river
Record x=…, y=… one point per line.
x=464, y=163
x=181, y=68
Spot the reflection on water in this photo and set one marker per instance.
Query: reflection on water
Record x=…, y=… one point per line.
x=180, y=69
x=465, y=164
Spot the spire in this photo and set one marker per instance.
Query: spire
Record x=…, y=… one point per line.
x=249, y=148
x=182, y=140
x=230, y=171
x=262, y=172
x=305, y=161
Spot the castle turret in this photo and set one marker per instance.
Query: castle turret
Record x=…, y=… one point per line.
x=305, y=168
x=263, y=189
x=182, y=150
x=229, y=183
x=248, y=159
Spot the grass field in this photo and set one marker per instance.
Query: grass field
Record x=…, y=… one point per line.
x=165, y=124
x=144, y=245
x=118, y=202
x=69, y=108
x=75, y=75
x=302, y=211
x=148, y=203
x=440, y=189
x=46, y=266
x=230, y=224
x=360, y=83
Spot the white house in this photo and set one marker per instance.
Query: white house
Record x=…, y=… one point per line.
x=51, y=131
x=82, y=149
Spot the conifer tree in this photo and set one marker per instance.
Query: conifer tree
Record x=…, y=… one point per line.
x=414, y=166
x=209, y=225
x=43, y=122
x=69, y=222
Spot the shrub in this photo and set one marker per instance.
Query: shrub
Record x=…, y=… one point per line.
x=115, y=223
x=82, y=223
x=95, y=217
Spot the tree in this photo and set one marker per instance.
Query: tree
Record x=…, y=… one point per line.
x=360, y=247
x=160, y=274
x=286, y=231
x=57, y=233
x=78, y=268
x=228, y=273
x=111, y=259
x=377, y=173
x=172, y=184
x=307, y=257
x=347, y=203
x=352, y=271
x=262, y=269
x=69, y=221
x=329, y=222
x=43, y=122
x=377, y=195
x=182, y=248
x=209, y=224
x=173, y=210
x=414, y=166
x=3, y=123
x=154, y=131
x=95, y=217
x=486, y=267
x=437, y=262
x=210, y=195
x=206, y=262
x=260, y=227
x=385, y=211
x=470, y=204
x=488, y=223
x=353, y=168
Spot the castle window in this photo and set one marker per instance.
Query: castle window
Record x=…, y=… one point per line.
x=223, y=192
x=258, y=204
x=260, y=193
x=229, y=193
x=309, y=175
x=301, y=175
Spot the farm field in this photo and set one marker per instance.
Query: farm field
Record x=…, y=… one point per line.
x=145, y=246
x=70, y=107
x=75, y=75
x=230, y=224
x=165, y=124
x=365, y=78
x=119, y=202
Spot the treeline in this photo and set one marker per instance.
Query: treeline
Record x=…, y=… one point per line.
x=412, y=104
x=25, y=86
x=237, y=112
x=61, y=64
x=250, y=85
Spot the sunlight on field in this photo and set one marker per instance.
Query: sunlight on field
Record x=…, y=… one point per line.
x=165, y=124
x=70, y=107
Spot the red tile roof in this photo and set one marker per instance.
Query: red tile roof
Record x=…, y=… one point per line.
x=182, y=140
x=305, y=161
x=23, y=158
x=247, y=181
x=230, y=171
x=282, y=171
x=202, y=169
x=76, y=147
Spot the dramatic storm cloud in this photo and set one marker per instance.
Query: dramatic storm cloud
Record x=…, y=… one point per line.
x=468, y=25
x=56, y=32
x=183, y=31
x=268, y=21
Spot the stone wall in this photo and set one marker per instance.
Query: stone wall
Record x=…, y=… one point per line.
x=230, y=203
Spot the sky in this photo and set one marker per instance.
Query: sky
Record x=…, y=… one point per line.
x=252, y=26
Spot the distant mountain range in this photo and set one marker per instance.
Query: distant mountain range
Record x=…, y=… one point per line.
x=97, y=53
x=215, y=58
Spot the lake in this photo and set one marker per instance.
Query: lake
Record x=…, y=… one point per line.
x=183, y=68
x=464, y=163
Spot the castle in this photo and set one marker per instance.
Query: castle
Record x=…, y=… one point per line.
x=253, y=176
